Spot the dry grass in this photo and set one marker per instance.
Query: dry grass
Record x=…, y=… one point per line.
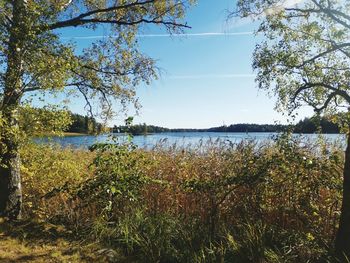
x=18, y=244
x=242, y=202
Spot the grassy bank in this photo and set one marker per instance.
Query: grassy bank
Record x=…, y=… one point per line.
x=219, y=202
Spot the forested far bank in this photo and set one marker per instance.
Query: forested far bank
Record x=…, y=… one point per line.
x=77, y=123
x=84, y=124
x=307, y=125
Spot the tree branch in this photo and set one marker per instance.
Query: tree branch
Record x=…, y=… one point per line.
x=84, y=19
x=88, y=105
x=334, y=48
x=325, y=105
x=128, y=23
x=330, y=13
x=77, y=20
x=336, y=91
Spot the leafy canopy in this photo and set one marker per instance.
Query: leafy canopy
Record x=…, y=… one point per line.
x=108, y=70
x=305, y=58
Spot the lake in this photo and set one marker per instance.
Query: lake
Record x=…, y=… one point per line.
x=181, y=139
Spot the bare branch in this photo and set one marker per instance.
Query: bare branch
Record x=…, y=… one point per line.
x=88, y=105
x=126, y=23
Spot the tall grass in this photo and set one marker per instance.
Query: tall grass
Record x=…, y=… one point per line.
x=217, y=202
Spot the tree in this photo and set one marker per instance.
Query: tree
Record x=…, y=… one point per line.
x=305, y=59
x=34, y=60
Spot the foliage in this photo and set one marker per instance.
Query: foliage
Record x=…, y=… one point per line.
x=47, y=120
x=118, y=178
x=220, y=202
x=36, y=62
x=317, y=124
x=140, y=129
x=49, y=170
x=305, y=58
x=84, y=124
x=33, y=122
x=110, y=68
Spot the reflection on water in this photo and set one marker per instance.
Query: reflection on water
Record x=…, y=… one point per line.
x=181, y=139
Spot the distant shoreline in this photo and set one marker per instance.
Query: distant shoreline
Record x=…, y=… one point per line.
x=206, y=131
x=75, y=134
x=65, y=134
x=306, y=126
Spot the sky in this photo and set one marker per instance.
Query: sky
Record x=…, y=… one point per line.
x=206, y=76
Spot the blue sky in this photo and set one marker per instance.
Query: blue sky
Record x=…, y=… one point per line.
x=206, y=79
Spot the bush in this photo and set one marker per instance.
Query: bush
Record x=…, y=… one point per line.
x=48, y=172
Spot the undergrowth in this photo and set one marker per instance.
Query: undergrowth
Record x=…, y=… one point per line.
x=218, y=202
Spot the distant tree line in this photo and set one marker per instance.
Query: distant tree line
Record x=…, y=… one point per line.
x=249, y=128
x=314, y=124
x=84, y=124
x=307, y=125
x=139, y=129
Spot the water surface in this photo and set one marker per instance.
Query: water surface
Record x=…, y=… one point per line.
x=181, y=139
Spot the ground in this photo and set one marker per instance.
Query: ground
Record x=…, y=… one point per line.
x=42, y=242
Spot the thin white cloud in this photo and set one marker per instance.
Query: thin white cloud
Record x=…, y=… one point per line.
x=211, y=76
x=204, y=34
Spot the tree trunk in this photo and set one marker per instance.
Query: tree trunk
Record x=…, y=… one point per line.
x=342, y=243
x=10, y=179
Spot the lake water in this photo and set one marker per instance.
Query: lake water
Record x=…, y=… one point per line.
x=181, y=139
